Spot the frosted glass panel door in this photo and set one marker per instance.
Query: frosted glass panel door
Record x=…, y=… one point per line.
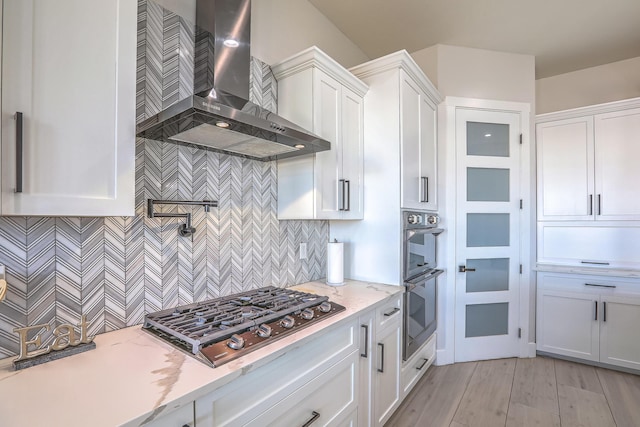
x=488, y=242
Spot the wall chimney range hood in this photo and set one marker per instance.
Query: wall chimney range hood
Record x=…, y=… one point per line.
x=219, y=114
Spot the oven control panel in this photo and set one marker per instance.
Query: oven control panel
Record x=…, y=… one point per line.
x=420, y=219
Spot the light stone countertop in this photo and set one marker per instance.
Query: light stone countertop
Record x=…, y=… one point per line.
x=133, y=377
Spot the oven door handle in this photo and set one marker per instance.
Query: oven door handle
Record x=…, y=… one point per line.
x=412, y=284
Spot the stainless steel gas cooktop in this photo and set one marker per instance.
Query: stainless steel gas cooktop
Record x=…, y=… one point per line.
x=222, y=329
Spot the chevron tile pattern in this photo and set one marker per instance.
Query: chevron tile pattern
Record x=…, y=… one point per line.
x=116, y=269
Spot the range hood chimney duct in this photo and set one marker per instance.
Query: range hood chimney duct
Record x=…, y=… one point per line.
x=219, y=114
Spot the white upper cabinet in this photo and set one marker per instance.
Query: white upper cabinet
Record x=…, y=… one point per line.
x=418, y=147
x=318, y=94
x=617, y=173
x=69, y=70
x=587, y=166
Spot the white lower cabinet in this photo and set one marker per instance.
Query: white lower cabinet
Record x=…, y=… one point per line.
x=592, y=318
x=414, y=368
x=380, y=356
x=346, y=377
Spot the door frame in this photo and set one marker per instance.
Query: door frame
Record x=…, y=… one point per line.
x=447, y=190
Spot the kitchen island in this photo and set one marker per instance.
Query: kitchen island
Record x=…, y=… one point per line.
x=133, y=378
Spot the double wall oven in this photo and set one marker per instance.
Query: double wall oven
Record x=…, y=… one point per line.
x=420, y=232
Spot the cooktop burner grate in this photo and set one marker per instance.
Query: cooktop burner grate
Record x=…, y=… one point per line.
x=193, y=327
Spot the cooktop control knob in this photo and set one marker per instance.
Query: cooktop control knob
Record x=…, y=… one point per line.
x=307, y=314
x=433, y=219
x=287, y=322
x=414, y=219
x=236, y=342
x=325, y=307
x=264, y=331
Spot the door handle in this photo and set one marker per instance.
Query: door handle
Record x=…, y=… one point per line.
x=19, y=150
x=599, y=204
x=590, y=204
x=604, y=311
x=464, y=269
x=347, y=205
x=381, y=368
x=596, y=318
x=366, y=341
x=341, y=190
x=425, y=189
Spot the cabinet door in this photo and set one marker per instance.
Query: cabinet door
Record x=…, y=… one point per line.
x=617, y=149
x=565, y=170
x=568, y=324
x=619, y=332
x=352, y=155
x=428, y=155
x=387, y=374
x=328, y=165
x=69, y=67
x=410, y=183
x=367, y=348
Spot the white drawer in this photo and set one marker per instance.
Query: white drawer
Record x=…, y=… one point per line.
x=255, y=392
x=390, y=313
x=588, y=284
x=414, y=368
x=330, y=399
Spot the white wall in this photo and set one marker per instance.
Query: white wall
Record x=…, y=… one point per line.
x=477, y=73
x=281, y=28
x=604, y=83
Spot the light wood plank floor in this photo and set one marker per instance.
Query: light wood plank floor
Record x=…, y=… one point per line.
x=521, y=392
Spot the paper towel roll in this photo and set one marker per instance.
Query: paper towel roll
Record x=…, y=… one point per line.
x=335, y=264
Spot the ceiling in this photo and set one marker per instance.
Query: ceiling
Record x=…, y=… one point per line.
x=563, y=35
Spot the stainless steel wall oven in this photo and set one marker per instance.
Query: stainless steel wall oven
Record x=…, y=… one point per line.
x=420, y=279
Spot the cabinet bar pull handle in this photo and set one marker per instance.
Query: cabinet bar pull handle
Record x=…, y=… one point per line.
x=366, y=341
x=596, y=318
x=590, y=204
x=381, y=368
x=424, y=197
x=600, y=286
x=392, y=312
x=604, y=311
x=348, y=198
x=424, y=362
x=464, y=269
x=341, y=188
x=599, y=204
x=595, y=262
x=426, y=188
x=19, y=150
x=314, y=416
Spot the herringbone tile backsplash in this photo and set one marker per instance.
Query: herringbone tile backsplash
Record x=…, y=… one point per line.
x=116, y=269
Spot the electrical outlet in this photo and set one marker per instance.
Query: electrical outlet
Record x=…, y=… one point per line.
x=303, y=251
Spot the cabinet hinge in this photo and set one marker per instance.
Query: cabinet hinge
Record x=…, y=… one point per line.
x=519, y=332
x=520, y=203
x=520, y=268
x=520, y=139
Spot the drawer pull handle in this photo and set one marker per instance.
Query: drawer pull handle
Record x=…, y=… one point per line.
x=425, y=189
x=595, y=262
x=595, y=285
x=381, y=368
x=392, y=312
x=314, y=416
x=366, y=341
x=424, y=362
